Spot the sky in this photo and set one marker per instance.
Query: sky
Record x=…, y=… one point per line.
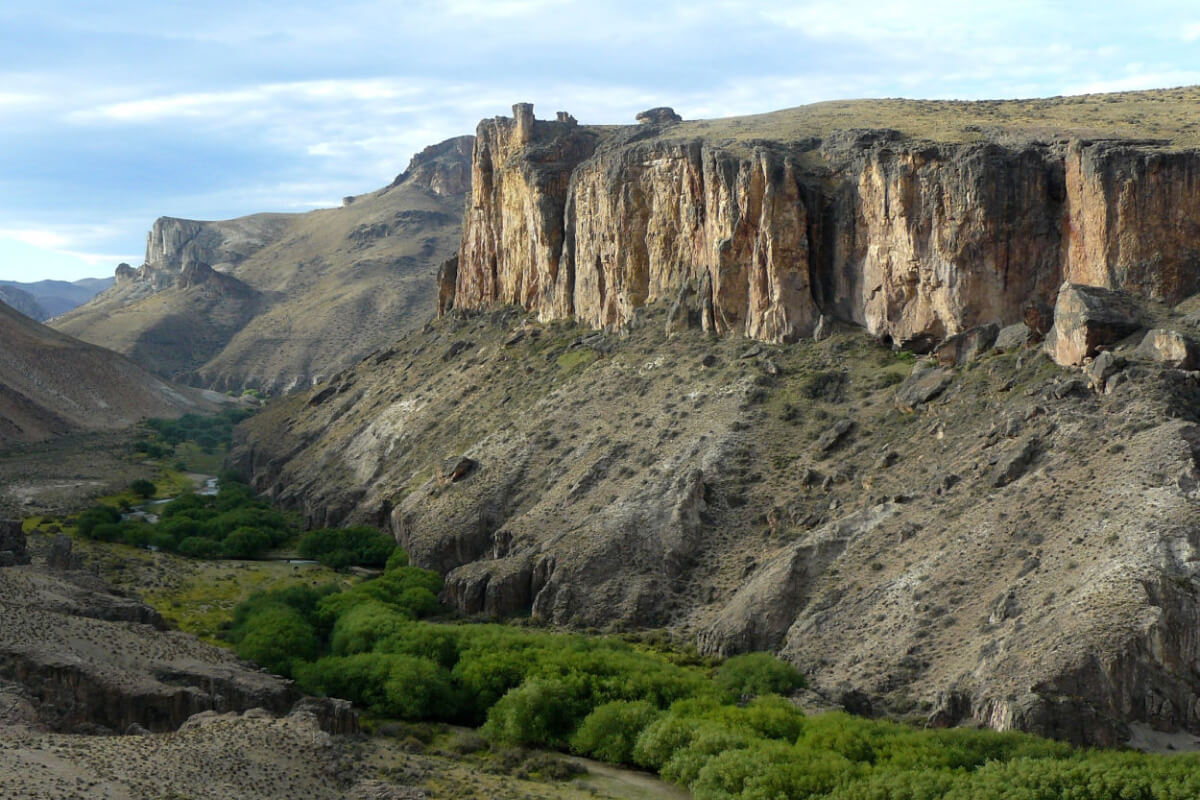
x=117, y=112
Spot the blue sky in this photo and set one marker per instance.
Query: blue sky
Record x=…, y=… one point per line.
x=113, y=113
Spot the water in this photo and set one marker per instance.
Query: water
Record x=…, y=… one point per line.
x=209, y=488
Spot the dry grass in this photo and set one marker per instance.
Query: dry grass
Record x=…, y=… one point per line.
x=1156, y=114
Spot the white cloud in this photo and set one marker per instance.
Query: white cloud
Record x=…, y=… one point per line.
x=1190, y=32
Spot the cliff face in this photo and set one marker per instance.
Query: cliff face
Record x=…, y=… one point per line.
x=1133, y=219
x=912, y=240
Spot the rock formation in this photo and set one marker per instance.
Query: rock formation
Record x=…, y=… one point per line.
x=12, y=544
x=911, y=239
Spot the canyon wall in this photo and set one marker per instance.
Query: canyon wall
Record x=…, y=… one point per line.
x=910, y=239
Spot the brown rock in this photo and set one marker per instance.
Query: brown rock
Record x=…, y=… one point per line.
x=1170, y=348
x=593, y=224
x=447, y=278
x=455, y=469
x=1087, y=318
x=1133, y=219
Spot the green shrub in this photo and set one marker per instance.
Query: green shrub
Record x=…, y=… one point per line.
x=199, y=547
x=143, y=488
x=339, y=548
x=757, y=673
x=88, y=520
x=278, y=637
x=388, y=685
x=539, y=712
x=360, y=628
x=610, y=731
x=398, y=558
x=770, y=770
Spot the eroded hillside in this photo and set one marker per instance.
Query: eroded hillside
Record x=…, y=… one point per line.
x=278, y=301
x=995, y=541
x=51, y=384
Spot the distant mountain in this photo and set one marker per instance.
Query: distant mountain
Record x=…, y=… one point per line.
x=52, y=384
x=280, y=301
x=59, y=297
x=22, y=301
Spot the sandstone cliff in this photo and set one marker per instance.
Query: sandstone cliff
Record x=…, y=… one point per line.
x=911, y=238
x=278, y=301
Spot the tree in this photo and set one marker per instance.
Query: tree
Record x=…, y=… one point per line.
x=143, y=488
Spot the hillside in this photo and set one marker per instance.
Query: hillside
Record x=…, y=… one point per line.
x=277, y=301
x=993, y=543
x=22, y=301
x=51, y=384
x=51, y=298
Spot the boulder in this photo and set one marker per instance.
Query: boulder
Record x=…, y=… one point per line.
x=12, y=544
x=1015, y=462
x=62, y=556
x=1013, y=337
x=966, y=346
x=455, y=469
x=921, y=387
x=124, y=274
x=1103, y=367
x=658, y=116
x=1170, y=348
x=1087, y=318
x=835, y=435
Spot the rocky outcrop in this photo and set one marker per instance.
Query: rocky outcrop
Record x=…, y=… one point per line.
x=1169, y=347
x=661, y=115
x=443, y=168
x=1087, y=318
x=513, y=237
x=913, y=240
x=1133, y=220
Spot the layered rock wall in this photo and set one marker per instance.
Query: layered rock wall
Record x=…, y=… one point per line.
x=911, y=240
x=1134, y=219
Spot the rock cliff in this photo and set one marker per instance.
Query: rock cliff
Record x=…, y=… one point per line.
x=911, y=238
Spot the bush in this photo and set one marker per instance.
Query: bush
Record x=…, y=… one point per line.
x=277, y=637
x=398, y=559
x=539, y=712
x=246, y=543
x=143, y=488
x=199, y=547
x=757, y=673
x=339, y=548
x=88, y=520
x=611, y=730
x=388, y=685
